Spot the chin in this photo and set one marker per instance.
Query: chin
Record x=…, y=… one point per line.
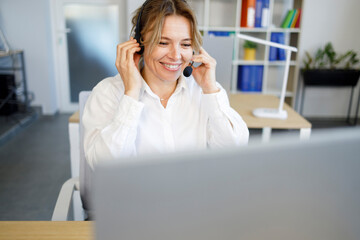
x=171, y=77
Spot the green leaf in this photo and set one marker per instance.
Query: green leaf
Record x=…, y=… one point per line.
x=328, y=58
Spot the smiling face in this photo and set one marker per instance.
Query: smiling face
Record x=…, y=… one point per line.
x=172, y=54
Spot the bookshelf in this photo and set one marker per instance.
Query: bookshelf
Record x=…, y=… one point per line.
x=225, y=16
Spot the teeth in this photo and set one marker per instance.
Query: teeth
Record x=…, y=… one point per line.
x=171, y=66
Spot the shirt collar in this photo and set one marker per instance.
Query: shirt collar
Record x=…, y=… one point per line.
x=182, y=84
x=144, y=88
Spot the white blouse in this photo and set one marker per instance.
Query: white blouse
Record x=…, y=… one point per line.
x=116, y=126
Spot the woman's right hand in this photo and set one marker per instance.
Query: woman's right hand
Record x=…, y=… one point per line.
x=127, y=62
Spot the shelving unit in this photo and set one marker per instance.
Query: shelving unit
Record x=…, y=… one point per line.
x=225, y=16
x=16, y=66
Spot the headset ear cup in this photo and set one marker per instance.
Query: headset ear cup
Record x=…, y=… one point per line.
x=141, y=50
x=137, y=38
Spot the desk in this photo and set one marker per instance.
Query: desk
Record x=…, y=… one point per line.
x=244, y=104
x=38, y=230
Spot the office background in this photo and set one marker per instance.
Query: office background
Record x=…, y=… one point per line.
x=29, y=25
x=36, y=162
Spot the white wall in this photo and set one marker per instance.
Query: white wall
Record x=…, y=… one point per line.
x=26, y=25
x=337, y=22
x=131, y=6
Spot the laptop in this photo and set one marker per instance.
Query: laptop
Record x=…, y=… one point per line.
x=281, y=190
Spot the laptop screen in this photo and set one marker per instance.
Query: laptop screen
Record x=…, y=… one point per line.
x=281, y=190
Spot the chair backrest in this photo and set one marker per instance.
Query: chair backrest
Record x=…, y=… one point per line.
x=86, y=173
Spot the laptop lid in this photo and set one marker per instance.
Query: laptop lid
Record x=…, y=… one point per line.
x=283, y=190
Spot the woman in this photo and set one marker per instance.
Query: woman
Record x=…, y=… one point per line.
x=150, y=106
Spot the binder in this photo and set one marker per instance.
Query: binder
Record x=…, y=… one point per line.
x=259, y=79
x=257, y=75
x=293, y=12
x=243, y=22
x=244, y=76
x=250, y=78
x=272, y=52
x=258, y=13
x=253, y=78
x=219, y=33
x=294, y=21
x=265, y=14
x=297, y=24
x=287, y=21
x=248, y=13
x=281, y=55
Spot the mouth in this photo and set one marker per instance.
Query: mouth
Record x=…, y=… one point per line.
x=172, y=66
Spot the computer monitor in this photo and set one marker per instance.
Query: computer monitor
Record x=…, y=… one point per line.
x=281, y=190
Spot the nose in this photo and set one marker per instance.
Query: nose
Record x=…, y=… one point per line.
x=175, y=52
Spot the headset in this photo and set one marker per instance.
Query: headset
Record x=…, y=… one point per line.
x=187, y=71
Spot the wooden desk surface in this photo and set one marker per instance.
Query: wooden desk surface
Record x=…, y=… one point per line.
x=39, y=230
x=244, y=104
x=75, y=118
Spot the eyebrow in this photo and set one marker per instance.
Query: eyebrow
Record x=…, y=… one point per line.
x=166, y=38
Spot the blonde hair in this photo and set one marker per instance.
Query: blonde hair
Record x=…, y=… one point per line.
x=152, y=20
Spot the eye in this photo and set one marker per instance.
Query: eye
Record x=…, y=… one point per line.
x=163, y=43
x=186, y=45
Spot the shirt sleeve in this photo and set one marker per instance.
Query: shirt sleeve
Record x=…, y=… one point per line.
x=110, y=121
x=225, y=126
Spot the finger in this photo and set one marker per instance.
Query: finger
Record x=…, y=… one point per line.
x=130, y=52
x=203, y=51
x=118, y=50
x=124, y=44
x=123, y=49
x=205, y=60
x=117, y=61
x=198, y=56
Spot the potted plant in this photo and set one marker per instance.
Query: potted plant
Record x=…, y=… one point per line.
x=328, y=68
x=249, y=50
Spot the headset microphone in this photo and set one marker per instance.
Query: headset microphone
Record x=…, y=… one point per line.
x=188, y=70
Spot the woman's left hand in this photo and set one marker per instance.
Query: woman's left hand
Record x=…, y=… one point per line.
x=205, y=73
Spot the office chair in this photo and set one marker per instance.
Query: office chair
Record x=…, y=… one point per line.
x=81, y=183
